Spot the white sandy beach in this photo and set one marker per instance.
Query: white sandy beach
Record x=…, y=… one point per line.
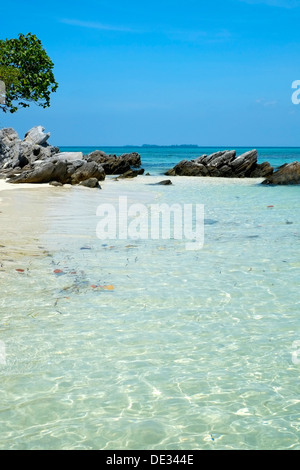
x=5, y=186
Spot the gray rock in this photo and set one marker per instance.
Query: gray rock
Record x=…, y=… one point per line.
x=219, y=160
x=262, y=170
x=86, y=171
x=171, y=172
x=15, y=153
x=20, y=162
x=91, y=183
x=213, y=156
x=243, y=165
x=9, y=145
x=226, y=172
x=223, y=164
x=114, y=165
x=60, y=171
x=163, y=183
x=200, y=159
x=288, y=174
x=189, y=168
x=37, y=136
x=43, y=173
x=69, y=156
x=132, y=173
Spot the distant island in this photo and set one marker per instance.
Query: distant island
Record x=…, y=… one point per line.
x=172, y=146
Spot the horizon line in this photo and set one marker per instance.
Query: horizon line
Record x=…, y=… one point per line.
x=183, y=145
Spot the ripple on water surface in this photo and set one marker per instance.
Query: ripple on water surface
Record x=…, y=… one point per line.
x=142, y=344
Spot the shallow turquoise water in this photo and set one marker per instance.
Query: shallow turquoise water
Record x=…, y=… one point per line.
x=157, y=160
x=191, y=350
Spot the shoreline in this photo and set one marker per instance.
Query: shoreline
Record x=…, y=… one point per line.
x=22, y=222
x=5, y=186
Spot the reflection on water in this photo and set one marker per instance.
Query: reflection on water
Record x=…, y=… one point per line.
x=141, y=344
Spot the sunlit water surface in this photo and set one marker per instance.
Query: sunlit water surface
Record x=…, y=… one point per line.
x=177, y=349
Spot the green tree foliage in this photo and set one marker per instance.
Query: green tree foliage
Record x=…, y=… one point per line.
x=27, y=72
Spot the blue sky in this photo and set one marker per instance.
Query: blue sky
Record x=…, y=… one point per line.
x=215, y=73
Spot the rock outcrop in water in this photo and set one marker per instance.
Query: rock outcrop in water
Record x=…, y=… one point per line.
x=114, y=165
x=33, y=160
x=286, y=174
x=223, y=164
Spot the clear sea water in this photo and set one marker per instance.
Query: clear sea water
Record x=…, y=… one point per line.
x=178, y=349
x=160, y=159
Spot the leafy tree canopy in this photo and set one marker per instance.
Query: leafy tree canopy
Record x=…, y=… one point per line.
x=27, y=72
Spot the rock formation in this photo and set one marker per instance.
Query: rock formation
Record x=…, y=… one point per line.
x=33, y=160
x=286, y=174
x=114, y=165
x=223, y=164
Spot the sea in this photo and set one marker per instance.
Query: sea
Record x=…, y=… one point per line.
x=143, y=344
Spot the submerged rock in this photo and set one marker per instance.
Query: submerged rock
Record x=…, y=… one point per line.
x=162, y=183
x=285, y=175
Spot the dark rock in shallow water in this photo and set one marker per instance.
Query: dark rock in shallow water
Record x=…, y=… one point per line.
x=210, y=222
x=165, y=183
x=86, y=171
x=285, y=175
x=218, y=159
x=262, y=170
x=223, y=164
x=114, y=165
x=244, y=164
x=171, y=172
x=188, y=168
x=162, y=183
x=91, y=183
x=132, y=173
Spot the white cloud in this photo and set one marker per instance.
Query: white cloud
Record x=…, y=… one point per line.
x=194, y=36
x=95, y=25
x=199, y=36
x=266, y=103
x=274, y=3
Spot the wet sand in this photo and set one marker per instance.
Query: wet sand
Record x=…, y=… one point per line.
x=22, y=221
